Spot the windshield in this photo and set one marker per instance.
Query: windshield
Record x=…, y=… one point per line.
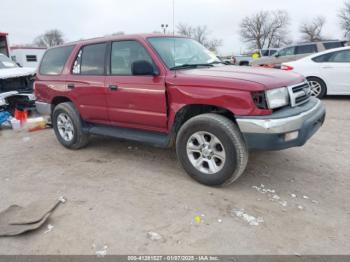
x=176, y=51
x=6, y=62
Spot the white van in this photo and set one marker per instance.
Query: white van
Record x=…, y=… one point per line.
x=27, y=56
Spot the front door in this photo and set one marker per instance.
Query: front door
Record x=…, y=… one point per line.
x=135, y=101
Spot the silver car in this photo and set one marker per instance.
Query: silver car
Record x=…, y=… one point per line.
x=295, y=52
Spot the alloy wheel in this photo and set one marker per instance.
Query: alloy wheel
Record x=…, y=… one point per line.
x=65, y=127
x=206, y=152
x=316, y=88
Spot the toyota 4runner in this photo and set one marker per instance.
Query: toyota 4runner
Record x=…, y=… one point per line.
x=170, y=91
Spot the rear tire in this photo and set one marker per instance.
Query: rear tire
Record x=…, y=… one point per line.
x=211, y=149
x=318, y=87
x=68, y=126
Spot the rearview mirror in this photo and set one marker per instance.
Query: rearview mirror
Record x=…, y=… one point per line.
x=143, y=68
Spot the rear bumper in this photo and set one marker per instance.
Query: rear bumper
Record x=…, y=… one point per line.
x=43, y=108
x=287, y=128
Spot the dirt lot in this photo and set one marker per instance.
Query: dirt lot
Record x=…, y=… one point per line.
x=118, y=191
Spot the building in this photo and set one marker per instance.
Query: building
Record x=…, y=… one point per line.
x=26, y=56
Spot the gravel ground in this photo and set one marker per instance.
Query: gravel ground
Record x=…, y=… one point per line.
x=289, y=202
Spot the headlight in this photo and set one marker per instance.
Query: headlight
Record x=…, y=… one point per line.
x=277, y=97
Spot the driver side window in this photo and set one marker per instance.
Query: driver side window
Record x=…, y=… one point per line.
x=286, y=51
x=124, y=54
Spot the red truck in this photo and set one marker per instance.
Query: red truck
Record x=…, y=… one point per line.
x=171, y=91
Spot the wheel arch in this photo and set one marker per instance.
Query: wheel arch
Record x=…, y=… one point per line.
x=59, y=100
x=321, y=79
x=191, y=110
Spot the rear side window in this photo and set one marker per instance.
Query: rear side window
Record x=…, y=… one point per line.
x=335, y=57
x=331, y=45
x=322, y=58
x=340, y=57
x=306, y=49
x=265, y=52
x=54, y=60
x=90, y=60
x=272, y=52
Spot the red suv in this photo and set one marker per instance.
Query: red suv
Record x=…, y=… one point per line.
x=171, y=91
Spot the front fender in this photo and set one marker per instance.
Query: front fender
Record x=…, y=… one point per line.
x=239, y=103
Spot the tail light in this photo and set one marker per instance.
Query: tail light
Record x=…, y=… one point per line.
x=287, y=67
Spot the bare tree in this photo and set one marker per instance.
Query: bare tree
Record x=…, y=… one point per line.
x=201, y=34
x=49, y=38
x=344, y=17
x=265, y=29
x=312, y=31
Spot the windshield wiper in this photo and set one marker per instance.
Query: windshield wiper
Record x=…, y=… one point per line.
x=217, y=62
x=184, y=66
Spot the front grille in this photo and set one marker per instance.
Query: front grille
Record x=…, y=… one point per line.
x=299, y=94
x=20, y=84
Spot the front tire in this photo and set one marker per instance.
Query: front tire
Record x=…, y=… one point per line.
x=211, y=149
x=318, y=87
x=68, y=126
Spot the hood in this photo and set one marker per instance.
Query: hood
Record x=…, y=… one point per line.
x=6, y=73
x=241, y=77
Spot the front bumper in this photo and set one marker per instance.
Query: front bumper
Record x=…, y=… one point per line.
x=289, y=127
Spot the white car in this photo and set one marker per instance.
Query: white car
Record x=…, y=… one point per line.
x=328, y=72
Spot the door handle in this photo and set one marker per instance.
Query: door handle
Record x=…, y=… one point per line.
x=327, y=67
x=70, y=86
x=113, y=87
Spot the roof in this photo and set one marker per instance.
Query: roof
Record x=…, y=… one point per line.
x=118, y=37
x=3, y=34
x=323, y=41
x=26, y=47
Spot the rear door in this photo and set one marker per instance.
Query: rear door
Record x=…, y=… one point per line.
x=87, y=83
x=336, y=72
x=135, y=101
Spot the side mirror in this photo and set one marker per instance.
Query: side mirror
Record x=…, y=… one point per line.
x=143, y=68
x=277, y=55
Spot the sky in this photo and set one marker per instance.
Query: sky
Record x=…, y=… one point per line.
x=81, y=19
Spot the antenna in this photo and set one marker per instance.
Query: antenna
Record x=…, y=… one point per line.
x=173, y=17
x=174, y=35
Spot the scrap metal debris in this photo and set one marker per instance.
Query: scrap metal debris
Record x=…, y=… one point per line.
x=251, y=220
x=16, y=220
x=271, y=194
x=26, y=139
x=264, y=190
x=103, y=252
x=49, y=228
x=154, y=236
